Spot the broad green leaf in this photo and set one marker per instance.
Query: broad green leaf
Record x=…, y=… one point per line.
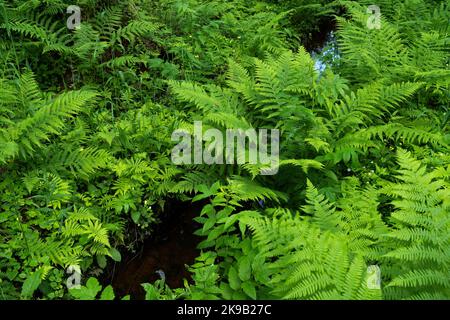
x=233, y=278
x=115, y=254
x=210, y=222
x=249, y=289
x=88, y=292
x=215, y=233
x=244, y=268
x=107, y=294
x=101, y=260
x=135, y=215
x=31, y=284
x=151, y=293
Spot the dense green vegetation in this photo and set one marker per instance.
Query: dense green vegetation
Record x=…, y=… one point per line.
x=86, y=118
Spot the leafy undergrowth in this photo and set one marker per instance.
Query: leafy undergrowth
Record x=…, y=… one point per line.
x=358, y=209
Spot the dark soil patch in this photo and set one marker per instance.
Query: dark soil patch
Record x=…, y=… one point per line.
x=172, y=246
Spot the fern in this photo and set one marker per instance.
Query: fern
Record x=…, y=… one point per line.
x=420, y=236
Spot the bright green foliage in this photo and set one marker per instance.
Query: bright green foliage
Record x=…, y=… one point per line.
x=323, y=250
x=91, y=290
x=86, y=118
x=420, y=240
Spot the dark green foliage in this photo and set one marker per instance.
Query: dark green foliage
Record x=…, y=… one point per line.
x=86, y=118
